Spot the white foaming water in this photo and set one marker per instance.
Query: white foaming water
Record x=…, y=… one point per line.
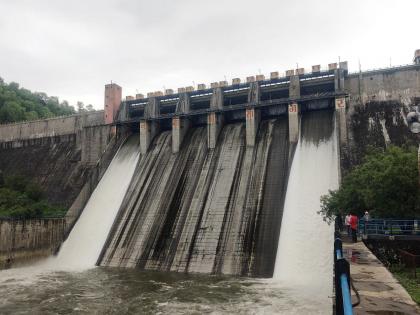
x=88, y=236
x=304, y=255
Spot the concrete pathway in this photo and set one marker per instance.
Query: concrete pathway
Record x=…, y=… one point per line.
x=380, y=293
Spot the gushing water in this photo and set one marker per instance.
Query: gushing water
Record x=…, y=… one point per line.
x=84, y=244
x=304, y=256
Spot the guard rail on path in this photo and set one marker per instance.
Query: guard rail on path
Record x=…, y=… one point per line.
x=343, y=304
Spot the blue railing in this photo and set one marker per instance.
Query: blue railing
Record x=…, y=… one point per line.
x=343, y=303
x=389, y=227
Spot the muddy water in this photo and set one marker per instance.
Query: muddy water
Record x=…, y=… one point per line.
x=47, y=289
x=129, y=291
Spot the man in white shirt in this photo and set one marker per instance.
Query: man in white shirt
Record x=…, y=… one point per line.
x=347, y=224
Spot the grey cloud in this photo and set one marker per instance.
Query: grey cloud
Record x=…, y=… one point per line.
x=72, y=48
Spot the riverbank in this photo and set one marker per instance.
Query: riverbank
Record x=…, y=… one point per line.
x=380, y=292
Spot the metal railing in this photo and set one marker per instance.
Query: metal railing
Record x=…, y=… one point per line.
x=343, y=304
x=389, y=227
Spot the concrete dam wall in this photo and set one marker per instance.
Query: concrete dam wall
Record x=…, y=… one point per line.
x=205, y=210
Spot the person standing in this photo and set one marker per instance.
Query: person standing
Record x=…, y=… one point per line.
x=366, y=219
x=347, y=224
x=353, y=225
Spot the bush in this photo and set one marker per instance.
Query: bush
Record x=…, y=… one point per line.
x=385, y=183
x=22, y=199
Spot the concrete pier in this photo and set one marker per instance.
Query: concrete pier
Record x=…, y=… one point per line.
x=148, y=131
x=180, y=127
x=215, y=120
x=252, y=117
x=294, y=110
x=214, y=126
x=294, y=87
x=340, y=109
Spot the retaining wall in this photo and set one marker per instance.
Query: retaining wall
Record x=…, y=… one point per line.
x=26, y=239
x=50, y=127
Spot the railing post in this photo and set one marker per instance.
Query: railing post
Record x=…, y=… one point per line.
x=343, y=305
x=338, y=293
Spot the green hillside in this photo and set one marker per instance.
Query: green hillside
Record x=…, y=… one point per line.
x=20, y=104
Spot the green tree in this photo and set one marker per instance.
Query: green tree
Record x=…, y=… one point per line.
x=11, y=111
x=386, y=184
x=18, y=104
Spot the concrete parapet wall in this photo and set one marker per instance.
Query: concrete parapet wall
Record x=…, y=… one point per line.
x=394, y=84
x=50, y=127
x=28, y=238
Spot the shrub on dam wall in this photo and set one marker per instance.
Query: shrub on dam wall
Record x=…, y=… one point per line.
x=385, y=183
x=23, y=199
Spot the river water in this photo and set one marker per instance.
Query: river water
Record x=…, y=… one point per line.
x=128, y=291
x=302, y=282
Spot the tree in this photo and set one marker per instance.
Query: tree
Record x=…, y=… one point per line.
x=385, y=183
x=18, y=104
x=89, y=107
x=80, y=107
x=11, y=111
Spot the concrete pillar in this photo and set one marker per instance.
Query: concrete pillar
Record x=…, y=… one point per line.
x=148, y=131
x=215, y=120
x=152, y=109
x=113, y=95
x=340, y=109
x=294, y=110
x=294, y=87
x=252, y=123
x=339, y=80
x=214, y=126
x=216, y=101
x=180, y=126
x=184, y=104
x=254, y=93
x=252, y=115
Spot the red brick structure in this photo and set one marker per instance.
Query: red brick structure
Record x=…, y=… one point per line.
x=113, y=95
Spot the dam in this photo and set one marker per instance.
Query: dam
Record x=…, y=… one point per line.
x=222, y=180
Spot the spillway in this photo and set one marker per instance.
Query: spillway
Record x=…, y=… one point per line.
x=209, y=211
x=304, y=256
x=87, y=238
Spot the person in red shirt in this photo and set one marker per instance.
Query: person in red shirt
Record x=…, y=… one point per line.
x=353, y=225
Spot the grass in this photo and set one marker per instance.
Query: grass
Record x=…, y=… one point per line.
x=407, y=280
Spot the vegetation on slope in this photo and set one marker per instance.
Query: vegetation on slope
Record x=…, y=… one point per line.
x=22, y=199
x=385, y=183
x=19, y=104
x=411, y=284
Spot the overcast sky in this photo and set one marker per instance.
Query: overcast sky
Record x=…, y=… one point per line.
x=70, y=49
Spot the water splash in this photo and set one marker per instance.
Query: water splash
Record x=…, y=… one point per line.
x=84, y=244
x=304, y=256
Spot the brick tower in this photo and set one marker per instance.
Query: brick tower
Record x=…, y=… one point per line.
x=113, y=94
